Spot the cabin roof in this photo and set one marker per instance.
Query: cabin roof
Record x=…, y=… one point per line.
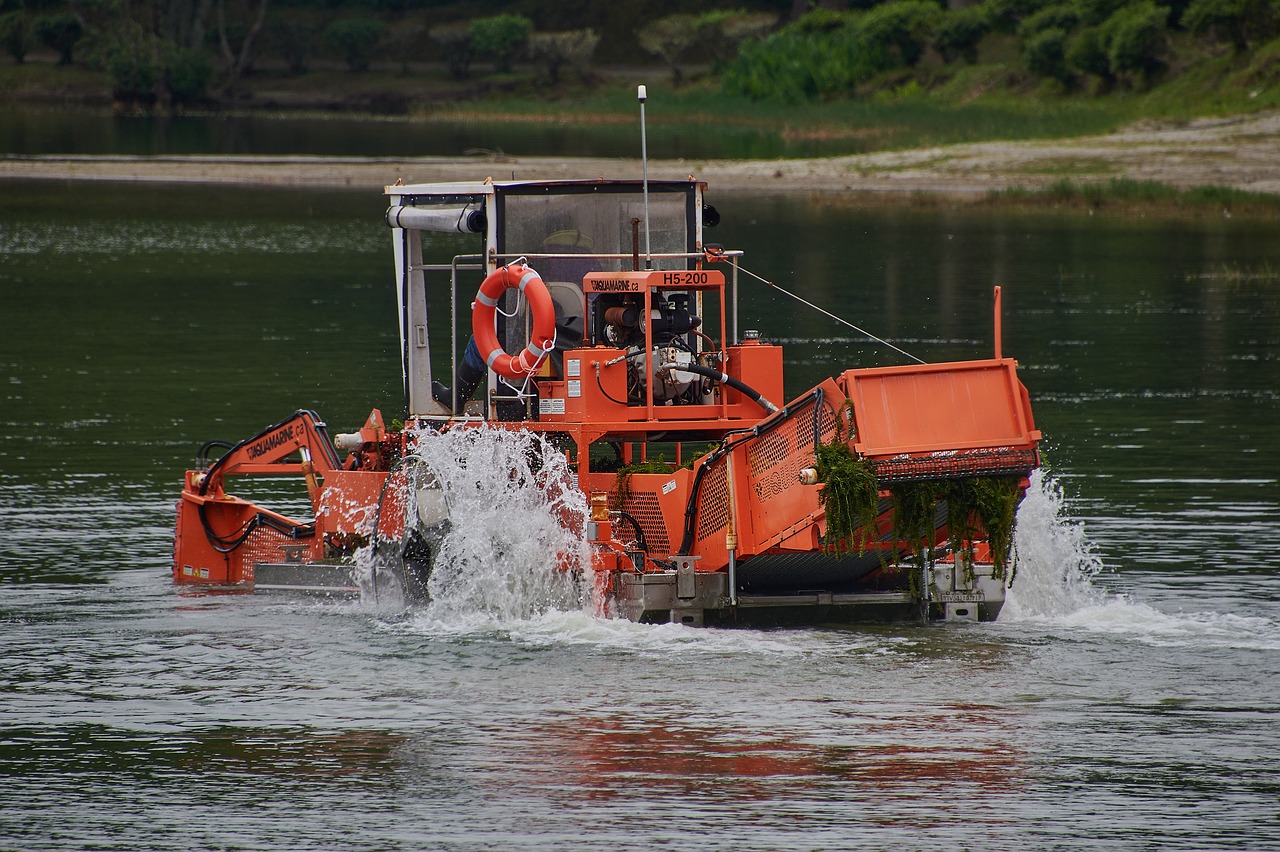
x=488, y=185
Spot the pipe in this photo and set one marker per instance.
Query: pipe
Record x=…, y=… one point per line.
x=724, y=378
x=731, y=533
x=999, y=346
x=643, y=95
x=466, y=219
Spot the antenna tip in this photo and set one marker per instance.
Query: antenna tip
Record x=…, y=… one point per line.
x=641, y=93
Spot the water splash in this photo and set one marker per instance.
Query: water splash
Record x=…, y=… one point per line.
x=1056, y=562
x=514, y=547
x=1054, y=589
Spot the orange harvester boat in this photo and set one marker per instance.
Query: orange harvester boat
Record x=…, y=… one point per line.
x=603, y=320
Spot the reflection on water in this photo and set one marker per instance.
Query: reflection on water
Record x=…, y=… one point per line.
x=30, y=131
x=1125, y=698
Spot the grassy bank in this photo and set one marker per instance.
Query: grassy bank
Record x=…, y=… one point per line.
x=1126, y=196
x=930, y=105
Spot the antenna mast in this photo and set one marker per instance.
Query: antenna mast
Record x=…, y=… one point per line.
x=642, y=95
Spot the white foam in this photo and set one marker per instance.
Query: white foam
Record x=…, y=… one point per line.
x=1056, y=562
x=556, y=629
x=510, y=551
x=1054, y=588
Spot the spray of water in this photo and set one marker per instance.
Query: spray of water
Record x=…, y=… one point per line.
x=1056, y=563
x=513, y=548
x=1054, y=589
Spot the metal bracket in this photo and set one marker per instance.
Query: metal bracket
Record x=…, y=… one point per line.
x=686, y=581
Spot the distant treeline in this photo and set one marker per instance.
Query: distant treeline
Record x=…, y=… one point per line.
x=178, y=52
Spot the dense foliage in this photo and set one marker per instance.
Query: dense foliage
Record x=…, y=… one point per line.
x=501, y=37
x=175, y=52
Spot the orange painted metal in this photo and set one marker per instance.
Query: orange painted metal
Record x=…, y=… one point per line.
x=744, y=497
x=929, y=408
x=219, y=537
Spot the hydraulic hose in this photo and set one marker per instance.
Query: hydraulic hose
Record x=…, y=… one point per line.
x=724, y=378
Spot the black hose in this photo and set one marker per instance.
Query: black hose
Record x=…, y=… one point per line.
x=225, y=544
x=644, y=545
x=600, y=385
x=202, y=454
x=725, y=378
x=330, y=453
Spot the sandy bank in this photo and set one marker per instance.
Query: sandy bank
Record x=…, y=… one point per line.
x=1240, y=152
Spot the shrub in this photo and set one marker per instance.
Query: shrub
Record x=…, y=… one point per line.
x=15, y=35
x=1236, y=21
x=293, y=39
x=353, y=39
x=132, y=73
x=670, y=39
x=1045, y=54
x=1086, y=52
x=724, y=31
x=187, y=74
x=1094, y=12
x=1137, y=40
x=819, y=55
x=455, y=40
x=502, y=37
x=1059, y=17
x=899, y=32
x=553, y=51
x=59, y=32
x=1004, y=15
x=958, y=34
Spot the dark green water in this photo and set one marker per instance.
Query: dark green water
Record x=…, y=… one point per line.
x=1127, y=698
x=25, y=131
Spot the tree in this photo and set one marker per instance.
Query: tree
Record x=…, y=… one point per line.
x=671, y=39
x=1044, y=35
x=404, y=43
x=722, y=32
x=1004, y=15
x=179, y=22
x=132, y=67
x=1061, y=16
x=820, y=55
x=1094, y=12
x=59, y=32
x=354, y=39
x=502, y=37
x=958, y=34
x=1236, y=21
x=15, y=34
x=141, y=42
x=1137, y=40
x=553, y=51
x=1086, y=52
x=237, y=61
x=1045, y=54
x=455, y=39
x=293, y=38
x=899, y=31
x=187, y=74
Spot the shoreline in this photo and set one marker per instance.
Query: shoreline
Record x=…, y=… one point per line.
x=1241, y=152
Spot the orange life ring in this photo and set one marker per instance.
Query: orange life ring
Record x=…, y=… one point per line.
x=544, y=320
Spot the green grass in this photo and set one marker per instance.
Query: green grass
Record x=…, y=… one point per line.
x=917, y=120
x=933, y=105
x=1127, y=195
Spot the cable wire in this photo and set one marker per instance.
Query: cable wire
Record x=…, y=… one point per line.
x=861, y=331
